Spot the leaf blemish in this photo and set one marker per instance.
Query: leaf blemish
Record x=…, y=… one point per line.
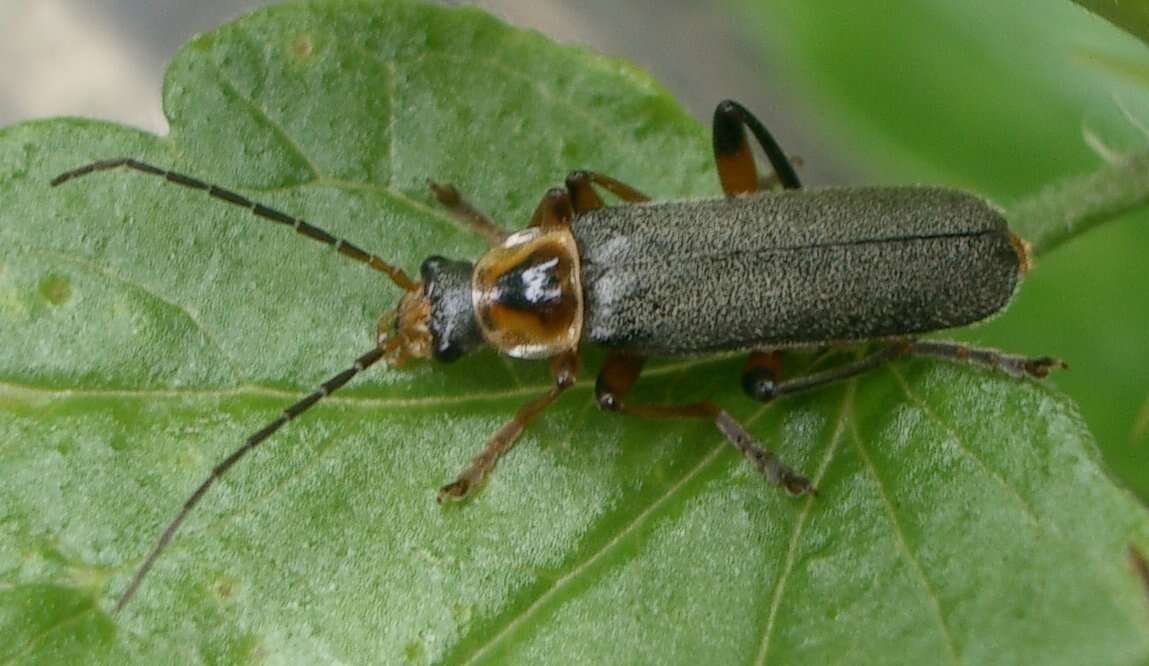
x=302, y=47
x=413, y=653
x=225, y=588
x=56, y=289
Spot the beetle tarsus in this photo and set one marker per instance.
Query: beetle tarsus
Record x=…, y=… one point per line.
x=763, y=459
x=454, y=491
x=992, y=359
x=1040, y=367
x=464, y=211
x=798, y=485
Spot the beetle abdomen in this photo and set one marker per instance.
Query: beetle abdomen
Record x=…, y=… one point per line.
x=792, y=268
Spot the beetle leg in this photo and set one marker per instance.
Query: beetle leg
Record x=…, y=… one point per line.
x=761, y=383
x=554, y=210
x=732, y=152
x=564, y=368
x=761, y=369
x=1011, y=364
x=618, y=376
x=765, y=386
x=583, y=197
x=499, y=443
x=771, y=181
x=461, y=209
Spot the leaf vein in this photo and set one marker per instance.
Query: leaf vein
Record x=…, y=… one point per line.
x=792, y=549
x=640, y=519
x=392, y=115
x=1050, y=528
x=230, y=88
x=393, y=194
x=904, y=549
x=39, y=638
x=103, y=271
x=27, y=393
x=1028, y=508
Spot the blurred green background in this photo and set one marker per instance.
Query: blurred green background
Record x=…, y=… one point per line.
x=1001, y=97
x=1005, y=99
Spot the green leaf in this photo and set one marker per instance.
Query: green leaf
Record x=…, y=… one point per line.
x=148, y=329
x=998, y=97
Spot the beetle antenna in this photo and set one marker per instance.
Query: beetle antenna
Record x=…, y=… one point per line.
x=313, y=232
x=325, y=389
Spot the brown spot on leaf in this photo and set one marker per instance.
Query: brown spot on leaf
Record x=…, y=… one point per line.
x=225, y=588
x=56, y=289
x=302, y=48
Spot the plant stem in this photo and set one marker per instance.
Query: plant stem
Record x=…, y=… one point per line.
x=1071, y=207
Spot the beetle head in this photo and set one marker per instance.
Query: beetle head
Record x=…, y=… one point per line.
x=436, y=319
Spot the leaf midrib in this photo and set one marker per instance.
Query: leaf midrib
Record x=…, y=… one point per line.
x=33, y=395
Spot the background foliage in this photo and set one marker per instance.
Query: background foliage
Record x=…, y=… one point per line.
x=994, y=97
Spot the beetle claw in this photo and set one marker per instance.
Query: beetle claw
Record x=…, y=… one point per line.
x=1040, y=367
x=454, y=491
x=798, y=485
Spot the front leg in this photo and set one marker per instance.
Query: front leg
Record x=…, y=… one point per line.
x=564, y=368
x=580, y=186
x=462, y=210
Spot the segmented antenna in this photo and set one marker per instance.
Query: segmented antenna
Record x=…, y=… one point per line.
x=313, y=232
x=325, y=389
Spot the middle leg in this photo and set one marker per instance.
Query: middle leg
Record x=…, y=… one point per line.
x=618, y=376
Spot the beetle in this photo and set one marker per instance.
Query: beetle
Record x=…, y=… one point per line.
x=762, y=270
